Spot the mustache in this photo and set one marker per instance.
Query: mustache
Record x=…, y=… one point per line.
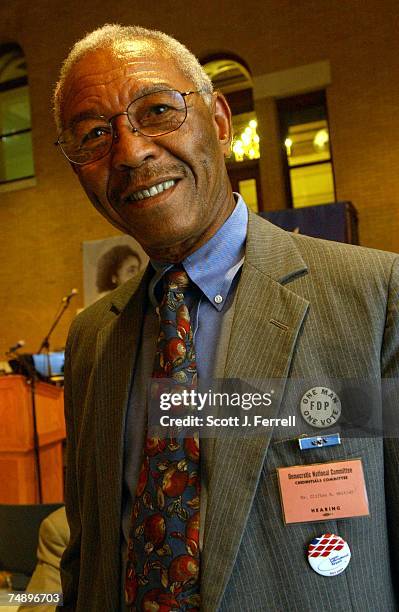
x=148, y=173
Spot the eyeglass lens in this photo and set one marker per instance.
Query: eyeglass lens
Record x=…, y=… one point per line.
x=154, y=114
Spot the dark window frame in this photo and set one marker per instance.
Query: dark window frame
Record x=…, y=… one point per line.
x=292, y=107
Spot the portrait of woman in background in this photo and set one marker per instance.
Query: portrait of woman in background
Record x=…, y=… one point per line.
x=115, y=267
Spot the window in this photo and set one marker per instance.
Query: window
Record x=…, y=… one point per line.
x=16, y=157
x=306, y=149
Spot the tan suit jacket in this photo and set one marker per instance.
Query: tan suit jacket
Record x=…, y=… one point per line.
x=305, y=310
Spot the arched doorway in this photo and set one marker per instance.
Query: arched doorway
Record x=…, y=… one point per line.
x=16, y=156
x=232, y=77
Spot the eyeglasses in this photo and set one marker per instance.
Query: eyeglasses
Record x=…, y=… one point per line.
x=89, y=139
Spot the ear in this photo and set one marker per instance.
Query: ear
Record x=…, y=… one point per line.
x=222, y=120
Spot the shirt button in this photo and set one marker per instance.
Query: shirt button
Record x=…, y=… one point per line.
x=218, y=299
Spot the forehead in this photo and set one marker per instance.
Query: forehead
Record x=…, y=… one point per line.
x=130, y=259
x=105, y=79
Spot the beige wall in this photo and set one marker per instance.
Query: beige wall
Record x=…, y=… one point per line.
x=42, y=228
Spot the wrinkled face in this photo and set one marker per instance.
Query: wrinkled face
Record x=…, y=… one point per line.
x=128, y=268
x=190, y=161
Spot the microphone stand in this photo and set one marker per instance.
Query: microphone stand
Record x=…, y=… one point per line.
x=36, y=448
x=45, y=345
x=32, y=382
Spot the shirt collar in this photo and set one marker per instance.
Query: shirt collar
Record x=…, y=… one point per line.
x=215, y=264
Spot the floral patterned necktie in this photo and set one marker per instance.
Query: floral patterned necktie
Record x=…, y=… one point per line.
x=163, y=551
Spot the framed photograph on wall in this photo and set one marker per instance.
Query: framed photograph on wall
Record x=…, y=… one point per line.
x=108, y=263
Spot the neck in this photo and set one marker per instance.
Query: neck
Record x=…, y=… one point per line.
x=178, y=252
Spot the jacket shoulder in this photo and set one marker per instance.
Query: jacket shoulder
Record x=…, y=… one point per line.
x=341, y=250
x=347, y=264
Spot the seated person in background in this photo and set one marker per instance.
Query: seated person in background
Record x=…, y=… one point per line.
x=53, y=539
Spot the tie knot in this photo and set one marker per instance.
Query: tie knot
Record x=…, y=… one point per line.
x=176, y=279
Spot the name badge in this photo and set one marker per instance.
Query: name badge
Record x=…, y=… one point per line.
x=323, y=491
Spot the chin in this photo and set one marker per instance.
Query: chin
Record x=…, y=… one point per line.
x=171, y=247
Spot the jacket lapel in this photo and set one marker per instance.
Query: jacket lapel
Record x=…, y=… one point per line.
x=116, y=352
x=267, y=319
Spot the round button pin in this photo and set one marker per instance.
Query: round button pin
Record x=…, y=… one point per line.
x=329, y=554
x=320, y=407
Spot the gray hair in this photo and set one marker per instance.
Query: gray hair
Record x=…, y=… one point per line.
x=114, y=35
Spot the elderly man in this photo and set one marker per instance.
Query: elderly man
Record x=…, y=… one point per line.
x=175, y=523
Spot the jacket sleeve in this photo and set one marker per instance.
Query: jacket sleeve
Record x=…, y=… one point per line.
x=390, y=347
x=70, y=562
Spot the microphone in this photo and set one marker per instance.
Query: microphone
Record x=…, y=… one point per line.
x=16, y=346
x=67, y=298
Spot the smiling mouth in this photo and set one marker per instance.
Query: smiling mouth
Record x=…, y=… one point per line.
x=143, y=194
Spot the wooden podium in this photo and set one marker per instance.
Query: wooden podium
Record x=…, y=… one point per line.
x=18, y=479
